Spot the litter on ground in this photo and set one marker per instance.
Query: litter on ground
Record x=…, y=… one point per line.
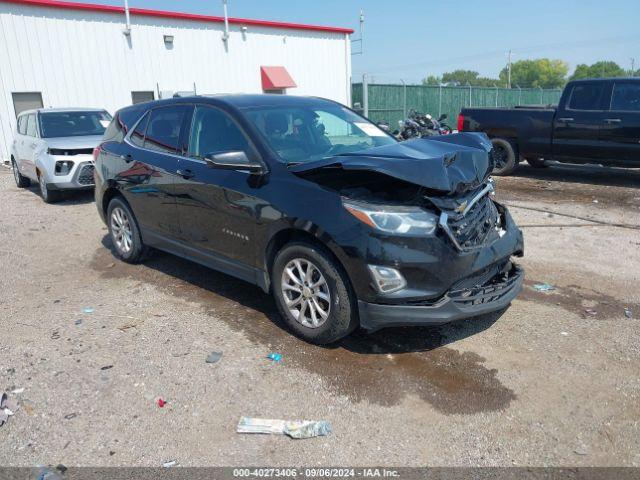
x=276, y=357
x=292, y=428
x=214, y=357
x=543, y=287
x=87, y=310
x=628, y=313
x=170, y=463
x=161, y=403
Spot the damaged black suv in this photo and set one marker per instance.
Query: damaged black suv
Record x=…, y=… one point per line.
x=307, y=199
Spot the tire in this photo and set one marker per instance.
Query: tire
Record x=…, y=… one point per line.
x=48, y=195
x=21, y=180
x=124, y=232
x=504, y=157
x=334, y=297
x=537, y=162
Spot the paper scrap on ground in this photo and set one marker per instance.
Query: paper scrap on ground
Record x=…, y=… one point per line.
x=292, y=428
x=544, y=287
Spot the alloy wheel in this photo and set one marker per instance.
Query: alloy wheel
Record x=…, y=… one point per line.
x=121, y=231
x=499, y=156
x=43, y=187
x=306, y=293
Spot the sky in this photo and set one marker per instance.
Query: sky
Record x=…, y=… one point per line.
x=412, y=39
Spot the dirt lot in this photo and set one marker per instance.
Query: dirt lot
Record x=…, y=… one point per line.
x=544, y=383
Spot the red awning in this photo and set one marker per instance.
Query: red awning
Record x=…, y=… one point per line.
x=276, y=78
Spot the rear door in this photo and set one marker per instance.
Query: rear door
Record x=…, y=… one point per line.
x=217, y=206
x=620, y=132
x=148, y=178
x=576, y=129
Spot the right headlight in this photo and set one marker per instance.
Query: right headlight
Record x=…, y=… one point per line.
x=394, y=219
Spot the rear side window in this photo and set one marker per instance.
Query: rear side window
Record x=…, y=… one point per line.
x=626, y=97
x=163, y=131
x=586, y=96
x=115, y=131
x=31, y=125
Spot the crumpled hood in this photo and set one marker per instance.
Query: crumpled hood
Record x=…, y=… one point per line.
x=73, y=143
x=448, y=163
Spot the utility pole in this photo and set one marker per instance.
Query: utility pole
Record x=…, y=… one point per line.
x=509, y=71
x=633, y=66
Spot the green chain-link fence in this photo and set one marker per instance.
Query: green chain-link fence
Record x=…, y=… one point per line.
x=392, y=102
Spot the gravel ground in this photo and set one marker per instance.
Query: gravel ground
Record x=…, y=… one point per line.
x=543, y=383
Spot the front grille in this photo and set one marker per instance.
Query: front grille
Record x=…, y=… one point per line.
x=493, y=290
x=85, y=177
x=477, y=226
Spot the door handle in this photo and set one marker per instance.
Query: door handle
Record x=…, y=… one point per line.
x=127, y=158
x=565, y=119
x=186, y=174
x=612, y=120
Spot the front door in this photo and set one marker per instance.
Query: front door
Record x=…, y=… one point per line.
x=620, y=132
x=577, y=124
x=217, y=207
x=152, y=160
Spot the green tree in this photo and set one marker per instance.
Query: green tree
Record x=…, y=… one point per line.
x=468, y=77
x=538, y=73
x=431, y=80
x=599, y=69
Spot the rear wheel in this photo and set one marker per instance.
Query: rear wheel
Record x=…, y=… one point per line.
x=21, y=180
x=537, y=162
x=313, y=294
x=48, y=195
x=124, y=232
x=504, y=156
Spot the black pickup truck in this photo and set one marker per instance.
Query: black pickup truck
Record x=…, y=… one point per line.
x=596, y=121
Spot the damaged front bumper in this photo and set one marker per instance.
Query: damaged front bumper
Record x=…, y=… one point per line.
x=456, y=304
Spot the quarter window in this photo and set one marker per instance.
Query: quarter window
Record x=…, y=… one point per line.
x=163, y=131
x=137, y=136
x=22, y=125
x=213, y=131
x=586, y=96
x=626, y=97
x=31, y=125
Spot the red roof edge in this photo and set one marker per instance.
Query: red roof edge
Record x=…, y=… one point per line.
x=179, y=15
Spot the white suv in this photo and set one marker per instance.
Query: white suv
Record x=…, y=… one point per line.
x=54, y=147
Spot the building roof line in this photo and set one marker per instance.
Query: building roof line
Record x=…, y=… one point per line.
x=177, y=15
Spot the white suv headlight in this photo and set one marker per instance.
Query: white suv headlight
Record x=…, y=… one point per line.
x=394, y=219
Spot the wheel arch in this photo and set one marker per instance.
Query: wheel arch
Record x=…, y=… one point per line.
x=291, y=234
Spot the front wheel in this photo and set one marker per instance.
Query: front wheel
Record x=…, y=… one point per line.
x=124, y=232
x=48, y=195
x=504, y=157
x=313, y=294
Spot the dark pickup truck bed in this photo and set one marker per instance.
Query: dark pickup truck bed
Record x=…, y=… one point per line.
x=596, y=121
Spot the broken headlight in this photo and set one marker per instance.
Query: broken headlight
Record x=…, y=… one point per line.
x=394, y=219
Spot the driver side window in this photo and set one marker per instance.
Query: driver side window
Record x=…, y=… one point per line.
x=212, y=132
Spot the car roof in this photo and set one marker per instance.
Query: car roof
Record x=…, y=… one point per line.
x=63, y=109
x=608, y=79
x=242, y=101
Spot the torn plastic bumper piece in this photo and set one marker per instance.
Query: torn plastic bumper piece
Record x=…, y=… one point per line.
x=455, y=305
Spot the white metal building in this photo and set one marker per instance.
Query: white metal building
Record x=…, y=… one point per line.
x=63, y=54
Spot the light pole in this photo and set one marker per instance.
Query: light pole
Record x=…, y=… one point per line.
x=509, y=71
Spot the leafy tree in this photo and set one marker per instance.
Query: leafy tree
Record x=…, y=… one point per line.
x=539, y=73
x=599, y=69
x=432, y=80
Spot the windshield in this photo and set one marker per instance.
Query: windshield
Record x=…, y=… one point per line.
x=303, y=134
x=73, y=124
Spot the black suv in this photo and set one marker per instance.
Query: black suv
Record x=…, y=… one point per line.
x=307, y=199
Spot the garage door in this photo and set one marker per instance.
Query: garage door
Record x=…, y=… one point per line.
x=26, y=101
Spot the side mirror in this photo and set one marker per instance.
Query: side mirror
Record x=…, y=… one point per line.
x=237, y=160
